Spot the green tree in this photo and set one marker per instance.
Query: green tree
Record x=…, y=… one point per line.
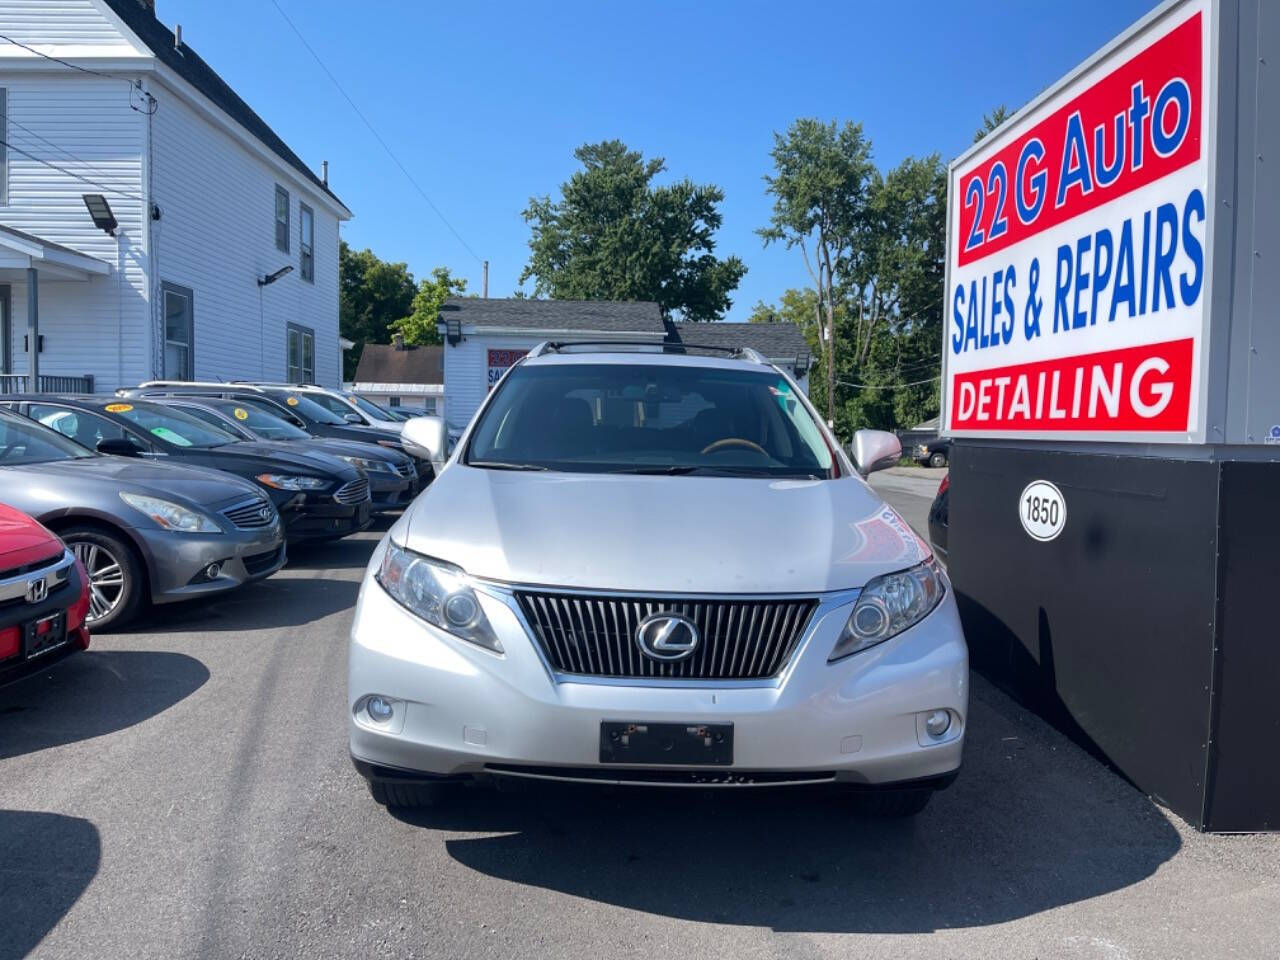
x=822, y=178
x=992, y=120
x=421, y=326
x=615, y=235
x=372, y=294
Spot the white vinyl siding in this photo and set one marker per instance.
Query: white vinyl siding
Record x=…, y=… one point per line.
x=62, y=127
x=65, y=23
x=217, y=237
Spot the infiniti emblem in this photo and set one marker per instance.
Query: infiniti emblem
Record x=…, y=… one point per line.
x=37, y=590
x=264, y=512
x=667, y=636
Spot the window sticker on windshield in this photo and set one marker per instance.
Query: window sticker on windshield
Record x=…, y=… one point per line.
x=118, y=407
x=241, y=413
x=783, y=392
x=164, y=433
x=291, y=401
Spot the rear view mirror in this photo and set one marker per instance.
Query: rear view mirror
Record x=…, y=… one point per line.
x=875, y=450
x=425, y=437
x=119, y=447
x=353, y=418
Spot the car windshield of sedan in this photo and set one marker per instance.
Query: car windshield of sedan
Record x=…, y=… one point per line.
x=28, y=442
x=171, y=426
x=261, y=423
x=654, y=418
x=369, y=409
x=308, y=408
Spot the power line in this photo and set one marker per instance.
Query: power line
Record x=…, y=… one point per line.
x=886, y=386
x=375, y=133
x=49, y=143
x=132, y=84
x=76, y=176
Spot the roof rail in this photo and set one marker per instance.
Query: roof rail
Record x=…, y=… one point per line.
x=278, y=383
x=209, y=384
x=557, y=346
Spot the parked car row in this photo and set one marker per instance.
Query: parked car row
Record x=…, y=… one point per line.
x=171, y=491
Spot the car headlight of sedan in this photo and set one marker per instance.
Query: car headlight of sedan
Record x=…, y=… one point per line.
x=289, y=481
x=438, y=593
x=369, y=466
x=171, y=516
x=888, y=605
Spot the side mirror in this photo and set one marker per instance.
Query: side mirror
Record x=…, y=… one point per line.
x=875, y=450
x=425, y=437
x=353, y=418
x=119, y=447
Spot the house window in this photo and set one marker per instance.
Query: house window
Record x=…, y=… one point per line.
x=282, y=219
x=306, y=240
x=179, y=332
x=302, y=354
x=394, y=401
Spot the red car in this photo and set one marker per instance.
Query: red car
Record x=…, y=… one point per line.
x=44, y=597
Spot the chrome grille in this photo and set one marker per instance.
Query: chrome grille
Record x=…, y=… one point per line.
x=357, y=491
x=406, y=470
x=595, y=635
x=251, y=514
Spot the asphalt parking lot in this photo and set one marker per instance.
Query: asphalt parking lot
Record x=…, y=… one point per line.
x=183, y=790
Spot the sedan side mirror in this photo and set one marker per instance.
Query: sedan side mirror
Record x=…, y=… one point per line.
x=353, y=418
x=875, y=450
x=119, y=447
x=425, y=437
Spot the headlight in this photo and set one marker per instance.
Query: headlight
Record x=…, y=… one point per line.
x=888, y=605
x=368, y=466
x=438, y=593
x=287, y=481
x=171, y=516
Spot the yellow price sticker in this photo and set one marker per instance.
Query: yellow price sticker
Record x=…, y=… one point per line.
x=241, y=413
x=291, y=401
x=118, y=407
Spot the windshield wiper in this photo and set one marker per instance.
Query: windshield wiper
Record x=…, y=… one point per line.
x=680, y=470
x=674, y=470
x=503, y=465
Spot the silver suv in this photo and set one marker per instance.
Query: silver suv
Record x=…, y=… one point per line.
x=656, y=568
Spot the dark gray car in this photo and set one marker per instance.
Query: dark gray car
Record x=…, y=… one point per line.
x=144, y=531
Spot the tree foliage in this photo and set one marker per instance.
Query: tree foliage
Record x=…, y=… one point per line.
x=874, y=247
x=421, y=327
x=616, y=235
x=372, y=294
x=992, y=120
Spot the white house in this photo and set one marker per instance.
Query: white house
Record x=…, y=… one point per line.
x=399, y=375
x=483, y=337
x=222, y=261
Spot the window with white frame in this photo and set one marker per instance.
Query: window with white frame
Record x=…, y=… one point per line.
x=282, y=219
x=306, y=241
x=301, y=357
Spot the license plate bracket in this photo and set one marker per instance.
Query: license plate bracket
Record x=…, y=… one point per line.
x=44, y=635
x=666, y=744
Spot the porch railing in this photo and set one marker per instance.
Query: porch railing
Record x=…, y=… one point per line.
x=52, y=383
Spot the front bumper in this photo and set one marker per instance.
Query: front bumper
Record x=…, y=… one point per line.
x=307, y=519
x=176, y=561
x=464, y=711
x=69, y=599
x=390, y=493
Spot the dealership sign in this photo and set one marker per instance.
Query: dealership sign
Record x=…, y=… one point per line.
x=500, y=361
x=1077, y=259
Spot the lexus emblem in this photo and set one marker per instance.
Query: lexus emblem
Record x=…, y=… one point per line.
x=37, y=590
x=667, y=636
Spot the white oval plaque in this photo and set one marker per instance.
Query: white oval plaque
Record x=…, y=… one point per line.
x=1042, y=510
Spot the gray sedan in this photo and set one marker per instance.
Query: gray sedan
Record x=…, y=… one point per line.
x=144, y=531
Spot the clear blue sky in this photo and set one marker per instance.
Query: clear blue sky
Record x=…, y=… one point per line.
x=485, y=102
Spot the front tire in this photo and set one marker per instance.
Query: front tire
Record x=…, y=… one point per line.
x=407, y=796
x=938, y=460
x=116, y=576
x=890, y=804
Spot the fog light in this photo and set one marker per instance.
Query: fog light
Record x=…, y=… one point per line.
x=937, y=723
x=212, y=571
x=379, y=709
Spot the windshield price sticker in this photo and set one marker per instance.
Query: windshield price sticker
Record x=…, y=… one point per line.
x=1042, y=510
x=118, y=407
x=1077, y=252
x=241, y=413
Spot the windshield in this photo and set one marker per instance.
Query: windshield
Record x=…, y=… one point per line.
x=24, y=441
x=260, y=422
x=171, y=426
x=369, y=409
x=304, y=406
x=659, y=418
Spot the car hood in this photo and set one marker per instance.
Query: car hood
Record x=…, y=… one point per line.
x=661, y=534
x=350, y=448
x=285, y=453
x=37, y=487
x=23, y=540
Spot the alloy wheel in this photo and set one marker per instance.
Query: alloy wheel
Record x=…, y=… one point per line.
x=106, y=578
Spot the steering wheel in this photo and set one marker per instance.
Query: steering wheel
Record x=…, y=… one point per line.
x=734, y=442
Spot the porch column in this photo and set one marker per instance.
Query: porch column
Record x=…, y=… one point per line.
x=33, y=330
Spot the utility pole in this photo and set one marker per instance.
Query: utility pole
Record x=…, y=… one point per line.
x=485, y=294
